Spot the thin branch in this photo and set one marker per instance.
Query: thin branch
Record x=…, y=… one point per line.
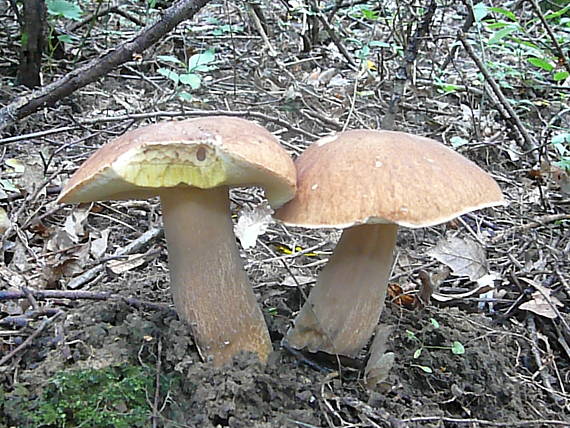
x=402, y=75
x=557, y=46
x=503, y=104
x=82, y=76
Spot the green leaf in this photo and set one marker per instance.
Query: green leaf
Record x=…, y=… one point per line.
x=169, y=74
x=434, y=322
x=191, y=79
x=480, y=11
x=64, y=8
x=457, y=348
x=379, y=44
x=369, y=14
x=199, y=62
x=418, y=353
x=410, y=334
x=458, y=142
x=65, y=38
x=186, y=96
x=425, y=368
x=501, y=34
x=560, y=75
x=557, y=13
x=560, y=143
x=505, y=12
x=541, y=63
x=169, y=58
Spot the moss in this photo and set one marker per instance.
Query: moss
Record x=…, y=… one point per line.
x=113, y=397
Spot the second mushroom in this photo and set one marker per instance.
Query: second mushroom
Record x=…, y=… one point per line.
x=369, y=183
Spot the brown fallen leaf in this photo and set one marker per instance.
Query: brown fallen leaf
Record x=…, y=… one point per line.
x=397, y=296
x=542, y=303
x=464, y=256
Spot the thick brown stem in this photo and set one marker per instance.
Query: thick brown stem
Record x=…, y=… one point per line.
x=209, y=285
x=344, y=307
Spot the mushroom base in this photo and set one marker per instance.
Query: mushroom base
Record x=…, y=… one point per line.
x=210, y=288
x=343, y=309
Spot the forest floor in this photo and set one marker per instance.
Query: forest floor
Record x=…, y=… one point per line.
x=100, y=360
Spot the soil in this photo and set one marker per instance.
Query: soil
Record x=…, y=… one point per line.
x=515, y=368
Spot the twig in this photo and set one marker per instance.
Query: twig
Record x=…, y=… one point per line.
x=557, y=46
x=541, y=368
x=159, y=114
x=155, y=412
x=483, y=422
x=259, y=26
x=30, y=339
x=504, y=106
x=402, y=76
x=79, y=295
x=135, y=246
x=82, y=76
x=331, y=32
x=540, y=221
x=93, y=16
x=467, y=24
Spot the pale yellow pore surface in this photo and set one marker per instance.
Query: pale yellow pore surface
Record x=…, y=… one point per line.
x=365, y=176
x=202, y=152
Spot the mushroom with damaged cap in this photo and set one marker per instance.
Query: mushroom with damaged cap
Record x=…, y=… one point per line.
x=369, y=183
x=190, y=164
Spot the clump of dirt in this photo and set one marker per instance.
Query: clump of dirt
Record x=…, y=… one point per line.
x=484, y=382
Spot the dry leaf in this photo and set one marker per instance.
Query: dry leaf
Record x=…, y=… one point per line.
x=448, y=297
x=397, y=296
x=542, y=302
x=299, y=279
x=464, y=256
x=131, y=262
x=75, y=222
x=5, y=222
x=559, y=175
x=99, y=245
x=252, y=223
x=380, y=362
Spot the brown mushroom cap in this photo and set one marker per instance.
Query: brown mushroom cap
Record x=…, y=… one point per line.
x=366, y=176
x=202, y=152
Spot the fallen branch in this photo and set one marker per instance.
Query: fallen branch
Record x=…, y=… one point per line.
x=82, y=76
x=135, y=246
x=29, y=340
x=79, y=295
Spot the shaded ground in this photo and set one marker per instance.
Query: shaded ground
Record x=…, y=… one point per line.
x=515, y=368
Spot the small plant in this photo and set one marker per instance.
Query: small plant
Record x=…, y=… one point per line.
x=561, y=144
x=109, y=397
x=191, y=74
x=62, y=9
x=509, y=30
x=456, y=347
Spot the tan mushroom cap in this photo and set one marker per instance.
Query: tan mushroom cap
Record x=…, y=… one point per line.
x=203, y=152
x=365, y=176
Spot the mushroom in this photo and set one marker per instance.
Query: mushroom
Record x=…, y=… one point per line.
x=190, y=165
x=369, y=183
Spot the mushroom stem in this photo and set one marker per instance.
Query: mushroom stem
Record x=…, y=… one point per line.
x=210, y=288
x=344, y=307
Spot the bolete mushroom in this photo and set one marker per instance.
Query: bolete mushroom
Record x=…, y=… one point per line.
x=190, y=164
x=369, y=183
